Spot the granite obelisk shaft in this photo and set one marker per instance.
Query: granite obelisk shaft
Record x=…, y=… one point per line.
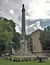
x=23, y=21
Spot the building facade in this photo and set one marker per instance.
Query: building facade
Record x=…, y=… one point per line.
x=36, y=45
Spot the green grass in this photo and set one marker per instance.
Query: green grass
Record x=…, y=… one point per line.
x=6, y=62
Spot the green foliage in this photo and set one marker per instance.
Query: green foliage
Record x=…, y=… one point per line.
x=16, y=39
x=45, y=38
x=20, y=59
x=7, y=62
x=7, y=30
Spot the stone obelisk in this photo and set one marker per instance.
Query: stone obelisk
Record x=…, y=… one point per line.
x=23, y=43
x=23, y=21
x=23, y=40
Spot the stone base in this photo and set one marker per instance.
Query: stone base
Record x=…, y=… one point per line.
x=23, y=49
x=23, y=53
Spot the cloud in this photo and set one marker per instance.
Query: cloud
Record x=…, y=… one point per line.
x=18, y=29
x=35, y=9
x=48, y=1
x=11, y=11
x=34, y=27
x=38, y=9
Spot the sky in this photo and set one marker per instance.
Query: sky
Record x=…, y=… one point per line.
x=37, y=12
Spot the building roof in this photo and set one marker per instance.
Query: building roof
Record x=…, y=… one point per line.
x=36, y=31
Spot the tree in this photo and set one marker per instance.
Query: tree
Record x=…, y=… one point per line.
x=7, y=30
x=16, y=39
x=45, y=38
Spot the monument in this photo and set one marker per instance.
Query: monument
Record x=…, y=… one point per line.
x=23, y=43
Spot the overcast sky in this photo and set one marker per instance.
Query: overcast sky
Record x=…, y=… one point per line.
x=35, y=10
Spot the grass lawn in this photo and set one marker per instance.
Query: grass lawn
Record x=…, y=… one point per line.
x=6, y=62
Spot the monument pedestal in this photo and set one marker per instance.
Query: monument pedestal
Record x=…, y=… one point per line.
x=23, y=49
